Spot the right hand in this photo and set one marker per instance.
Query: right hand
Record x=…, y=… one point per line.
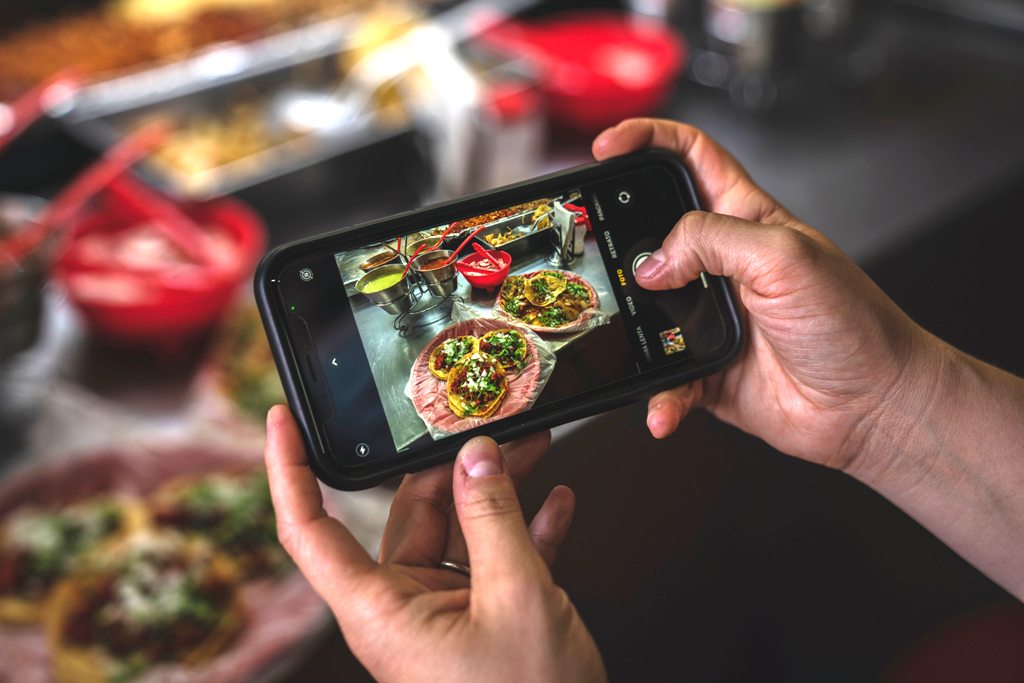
x=826, y=350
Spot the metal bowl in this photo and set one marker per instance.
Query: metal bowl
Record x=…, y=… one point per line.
x=394, y=299
x=378, y=260
x=440, y=281
x=415, y=244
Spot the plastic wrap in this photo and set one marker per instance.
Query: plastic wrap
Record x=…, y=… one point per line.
x=429, y=394
x=590, y=317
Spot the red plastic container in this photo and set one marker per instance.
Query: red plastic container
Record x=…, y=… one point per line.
x=161, y=309
x=597, y=68
x=469, y=267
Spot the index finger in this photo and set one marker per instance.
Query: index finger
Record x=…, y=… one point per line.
x=722, y=183
x=326, y=552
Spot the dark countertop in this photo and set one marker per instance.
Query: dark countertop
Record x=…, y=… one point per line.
x=943, y=125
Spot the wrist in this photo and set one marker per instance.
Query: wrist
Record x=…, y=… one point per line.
x=949, y=453
x=910, y=418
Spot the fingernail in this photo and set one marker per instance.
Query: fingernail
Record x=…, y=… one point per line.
x=481, y=458
x=651, y=266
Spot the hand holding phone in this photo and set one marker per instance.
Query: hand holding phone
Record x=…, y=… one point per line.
x=396, y=342
x=831, y=368
x=826, y=347
x=408, y=617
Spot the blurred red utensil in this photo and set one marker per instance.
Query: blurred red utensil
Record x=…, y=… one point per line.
x=167, y=217
x=79, y=191
x=108, y=172
x=114, y=162
x=24, y=111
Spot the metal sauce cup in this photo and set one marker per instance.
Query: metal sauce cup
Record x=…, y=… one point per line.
x=440, y=281
x=411, y=248
x=394, y=299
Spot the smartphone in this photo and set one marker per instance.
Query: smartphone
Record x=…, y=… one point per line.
x=395, y=347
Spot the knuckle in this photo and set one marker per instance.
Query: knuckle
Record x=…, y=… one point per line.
x=531, y=591
x=560, y=603
x=488, y=501
x=692, y=230
x=795, y=246
x=287, y=536
x=693, y=224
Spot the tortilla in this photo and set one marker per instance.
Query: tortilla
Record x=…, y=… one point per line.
x=543, y=288
x=448, y=352
x=570, y=304
x=476, y=386
x=429, y=395
x=508, y=345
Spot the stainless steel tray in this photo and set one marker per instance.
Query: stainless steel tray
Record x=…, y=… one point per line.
x=529, y=244
x=99, y=121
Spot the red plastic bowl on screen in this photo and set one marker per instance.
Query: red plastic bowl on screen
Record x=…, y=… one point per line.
x=132, y=287
x=597, y=68
x=476, y=271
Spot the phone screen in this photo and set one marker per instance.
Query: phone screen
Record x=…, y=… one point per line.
x=405, y=345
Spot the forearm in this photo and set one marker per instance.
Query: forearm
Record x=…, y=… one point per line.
x=952, y=457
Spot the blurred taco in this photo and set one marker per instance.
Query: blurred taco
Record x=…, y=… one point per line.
x=152, y=597
x=39, y=546
x=231, y=509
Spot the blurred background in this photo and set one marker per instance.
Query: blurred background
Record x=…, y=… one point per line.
x=138, y=135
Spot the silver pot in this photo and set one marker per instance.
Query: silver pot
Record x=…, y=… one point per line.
x=440, y=281
x=394, y=299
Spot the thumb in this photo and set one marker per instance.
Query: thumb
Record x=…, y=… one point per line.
x=752, y=254
x=500, y=548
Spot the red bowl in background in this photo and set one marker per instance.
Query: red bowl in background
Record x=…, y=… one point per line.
x=596, y=67
x=162, y=308
x=478, y=276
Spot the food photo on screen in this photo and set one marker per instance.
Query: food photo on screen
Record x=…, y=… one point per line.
x=491, y=315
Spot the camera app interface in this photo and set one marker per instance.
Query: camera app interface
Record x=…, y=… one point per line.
x=522, y=307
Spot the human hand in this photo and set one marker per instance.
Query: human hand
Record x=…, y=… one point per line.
x=827, y=351
x=405, y=618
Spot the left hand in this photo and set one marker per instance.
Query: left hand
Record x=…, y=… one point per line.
x=405, y=618
x=423, y=527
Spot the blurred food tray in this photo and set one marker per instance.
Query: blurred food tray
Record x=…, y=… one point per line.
x=145, y=45
x=215, y=65
x=228, y=132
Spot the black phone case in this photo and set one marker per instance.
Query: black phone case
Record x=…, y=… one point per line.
x=366, y=476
